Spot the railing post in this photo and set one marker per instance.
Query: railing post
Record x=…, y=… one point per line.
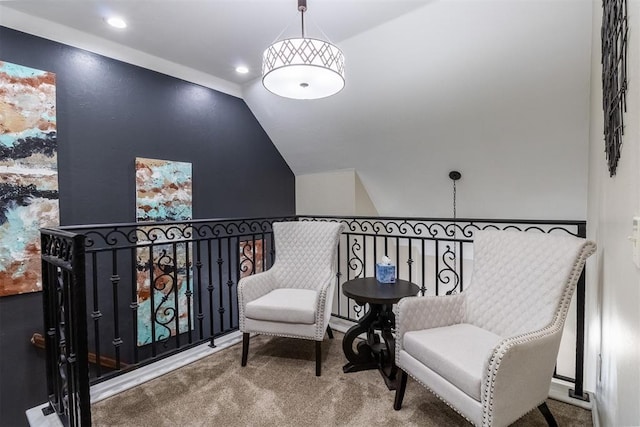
x=65, y=324
x=578, y=392
x=79, y=330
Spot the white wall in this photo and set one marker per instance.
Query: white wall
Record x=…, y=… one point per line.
x=497, y=89
x=332, y=193
x=613, y=288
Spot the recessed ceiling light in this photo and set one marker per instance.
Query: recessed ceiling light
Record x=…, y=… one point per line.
x=116, y=22
x=242, y=69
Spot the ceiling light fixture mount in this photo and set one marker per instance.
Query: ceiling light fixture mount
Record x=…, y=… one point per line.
x=303, y=68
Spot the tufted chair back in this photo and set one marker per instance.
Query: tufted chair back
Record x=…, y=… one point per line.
x=305, y=252
x=522, y=282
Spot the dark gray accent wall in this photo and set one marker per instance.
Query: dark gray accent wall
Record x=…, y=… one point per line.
x=109, y=113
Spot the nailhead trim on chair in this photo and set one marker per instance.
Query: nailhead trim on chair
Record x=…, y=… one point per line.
x=320, y=308
x=261, y=283
x=264, y=284
x=556, y=325
x=272, y=334
x=320, y=329
x=494, y=362
x=439, y=397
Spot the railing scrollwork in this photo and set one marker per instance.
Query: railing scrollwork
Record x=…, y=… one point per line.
x=177, y=281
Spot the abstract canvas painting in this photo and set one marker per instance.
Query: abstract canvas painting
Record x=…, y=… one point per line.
x=251, y=257
x=163, y=190
x=162, y=292
x=163, y=193
x=28, y=173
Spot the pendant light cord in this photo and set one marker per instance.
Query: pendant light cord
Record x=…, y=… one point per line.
x=302, y=7
x=454, y=176
x=454, y=200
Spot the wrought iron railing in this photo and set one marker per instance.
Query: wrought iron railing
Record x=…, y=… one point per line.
x=155, y=289
x=65, y=326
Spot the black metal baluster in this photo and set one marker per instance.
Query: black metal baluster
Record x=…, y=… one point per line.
x=200, y=315
x=49, y=309
x=210, y=289
x=578, y=391
x=397, y=263
x=189, y=291
x=96, y=314
x=272, y=252
x=264, y=260
x=253, y=255
x=461, y=266
x=133, y=305
x=364, y=256
x=338, y=274
x=375, y=254
x=70, y=351
x=176, y=294
x=386, y=245
x=348, y=275
x=423, y=288
x=437, y=272
x=59, y=338
x=115, y=281
x=152, y=310
x=220, y=292
x=410, y=260
x=230, y=276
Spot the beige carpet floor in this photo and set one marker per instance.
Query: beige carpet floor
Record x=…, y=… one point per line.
x=278, y=387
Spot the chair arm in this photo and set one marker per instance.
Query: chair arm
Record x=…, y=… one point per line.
x=253, y=287
x=324, y=305
x=416, y=313
x=519, y=375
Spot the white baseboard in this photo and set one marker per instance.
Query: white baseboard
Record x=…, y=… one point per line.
x=595, y=415
x=341, y=324
x=559, y=390
x=124, y=382
x=37, y=418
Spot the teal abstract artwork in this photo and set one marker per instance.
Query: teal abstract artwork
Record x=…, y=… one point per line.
x=163, y=193
x=28, y=173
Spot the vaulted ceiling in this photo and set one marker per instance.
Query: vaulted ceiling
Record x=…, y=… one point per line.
x=498, y=89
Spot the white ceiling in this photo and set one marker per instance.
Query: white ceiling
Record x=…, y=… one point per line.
x=498, y=89
x=214, y=36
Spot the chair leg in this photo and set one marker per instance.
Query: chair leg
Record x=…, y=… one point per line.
x=329, y=332
x=397, y=404
x=318, y=358
x=547, y=415
x=245, y=348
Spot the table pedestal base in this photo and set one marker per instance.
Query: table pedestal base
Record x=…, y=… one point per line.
x=378, y=350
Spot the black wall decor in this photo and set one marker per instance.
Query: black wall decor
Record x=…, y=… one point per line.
x=108, y=113
x=614, y=77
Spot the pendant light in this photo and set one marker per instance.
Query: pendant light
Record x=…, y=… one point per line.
x=303, y=68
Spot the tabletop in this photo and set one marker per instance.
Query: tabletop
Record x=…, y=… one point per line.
x=369, y=290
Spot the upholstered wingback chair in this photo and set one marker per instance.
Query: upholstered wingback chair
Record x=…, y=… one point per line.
x=490, y=351
x=294, y=297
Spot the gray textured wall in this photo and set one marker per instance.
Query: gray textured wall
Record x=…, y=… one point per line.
x=109, y=113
